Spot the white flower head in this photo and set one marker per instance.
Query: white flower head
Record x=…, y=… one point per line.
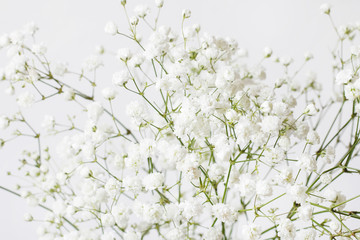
x=325, y=8
x=310, y=109
x=141, y=11
x=186, y=13
x=94, y=111
x=111, y=28
x=344, y=76
x=109, y=93
x=26, y=99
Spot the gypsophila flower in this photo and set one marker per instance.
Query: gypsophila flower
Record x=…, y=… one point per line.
x=286, y=229
x=267, y=52
x=251, y=231
x=153, y=181
x=213, y=234
x=325, y=8
x=92, y=63
x=326, y=178
x=69, y=94
x=308, y=234
x=310, y=109
x=344, y=76
x=109, y=93
x=186, y=13
x=305, y=212
x=124, y=54
x=4, y=122
x=142, y=10
x=39, y=49
x=111, y=28
x=26, y=99
x=59, y=69
x=224, y=213
x=307, y=162
x=159, y=3
x=94, y=111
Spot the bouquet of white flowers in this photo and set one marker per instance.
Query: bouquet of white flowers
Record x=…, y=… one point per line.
x=209, y=149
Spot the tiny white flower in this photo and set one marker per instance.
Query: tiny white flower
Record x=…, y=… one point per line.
x=109, y=93
x=142, y=11
x=344, y=76
x=26, y=99
x=124, y=54
x=267, y=52
x=120, y=78
x=310, y=109
x=325, y=8
x=111, y=28
x=159, y=3
x=94, y=110
x=186, y=13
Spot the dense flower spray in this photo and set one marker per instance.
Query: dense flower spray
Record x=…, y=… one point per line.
x=213, y=150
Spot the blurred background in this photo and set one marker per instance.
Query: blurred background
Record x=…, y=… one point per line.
x=72, y=29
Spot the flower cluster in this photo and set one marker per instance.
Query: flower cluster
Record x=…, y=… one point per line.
x=215, y=149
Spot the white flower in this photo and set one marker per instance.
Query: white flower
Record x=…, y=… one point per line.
x=263, y=188
x=107, y=220
x=69, y=94
x=313, y=137
x=213, y=234
x=191, y=208
x=142, y=10
x=109, y=93
x=59, y=69
x=307, y=162
x=4, y=40
x=326, y=178
x=28, y=217
x=298, y=192
x=92, y=63
x=270, y=124
x=186, y=13
x=111, y=28
x=307, y=234
x=267, y=52
x=120, y=78
x=310, y=109
x=224, y=212
x=132, y=183
x=124, y=54
x=48, y=123
x=329, y=155
x=30, y=28
x=153, y=181
x=334, y=226
x=344, y=76
x=325, y=8
x=305, y=212
x=4, y=122
x=216, y=171
x=286, y=228
x=39, y=49
x=26, y=99
x=176, y=234
x=308, y=56
x=136, y=60
x=94, y=111
x=251, y=231
x=159, y=3
x=335, y=197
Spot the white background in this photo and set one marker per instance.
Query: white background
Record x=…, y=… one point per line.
x=72, y=28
